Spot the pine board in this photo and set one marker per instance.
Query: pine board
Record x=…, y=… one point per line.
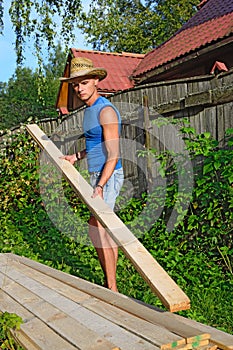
x=56, y=321
x=10, y=305
x=34, y=334
x=222, y=339
x=158, y=335
x=120, y=301
x=78, y=311
x=72, y=321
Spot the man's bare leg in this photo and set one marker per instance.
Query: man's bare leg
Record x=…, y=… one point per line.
x=107, y=252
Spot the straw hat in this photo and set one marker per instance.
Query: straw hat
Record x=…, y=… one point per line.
x=81, y=66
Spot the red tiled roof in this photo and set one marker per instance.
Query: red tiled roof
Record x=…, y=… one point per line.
x=118, y=65
x=212, y=22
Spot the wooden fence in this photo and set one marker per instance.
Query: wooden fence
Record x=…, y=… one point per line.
x=206, y=103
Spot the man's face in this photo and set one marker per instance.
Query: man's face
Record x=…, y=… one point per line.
x=85, y=87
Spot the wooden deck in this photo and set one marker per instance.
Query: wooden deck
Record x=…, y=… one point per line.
x=63, y=312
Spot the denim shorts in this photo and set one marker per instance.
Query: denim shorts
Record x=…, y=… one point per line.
x=111, y=188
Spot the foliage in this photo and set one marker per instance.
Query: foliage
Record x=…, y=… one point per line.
x=9, y=321
x=42, y=22
x=197, y=253
x=134, y=26
x=119, y=26
x=19, y=99
x=31, y=95
x=122, y=25
x=172, y=15
x=208, y=223
x=26, y=228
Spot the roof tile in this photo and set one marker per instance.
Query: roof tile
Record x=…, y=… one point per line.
x=118, y=65
x=212, y=22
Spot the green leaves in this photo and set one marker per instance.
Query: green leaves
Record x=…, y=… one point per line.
x=31, y=94
x=9, y=321
x=116, y=26
x=44, y=23
x=172, y=14
x=133, y=26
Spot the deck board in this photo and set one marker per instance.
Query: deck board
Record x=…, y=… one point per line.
x=75, y=314
x=158, y=335
x=222, y=339
x=81, y=324
x=34, y=333
x=57, y=321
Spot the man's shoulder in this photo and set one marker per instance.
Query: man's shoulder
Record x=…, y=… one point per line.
x=102, y=100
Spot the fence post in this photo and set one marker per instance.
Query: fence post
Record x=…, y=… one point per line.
x=146, y=116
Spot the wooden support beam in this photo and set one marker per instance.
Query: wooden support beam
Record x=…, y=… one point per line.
x=170, y=294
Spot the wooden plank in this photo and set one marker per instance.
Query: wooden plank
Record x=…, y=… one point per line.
x=34, y=333
x=68, y=328
x=159, y=281
x=53, y=309
x=28, y=340
x=144, y=311
x=209, y=347
x=10, y=305
x=153, y=333
x=23, y=340
x=44, y=337
x=156, y=334
x=58, y=321
x=200, y=343
x=50, y=281
x=196, y=339
x=184, y=347
x=222, y=339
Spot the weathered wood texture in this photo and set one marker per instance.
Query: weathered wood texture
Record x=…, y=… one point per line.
x=206, y=102
x=187, y=98
x=61, y=311
x=159, y=281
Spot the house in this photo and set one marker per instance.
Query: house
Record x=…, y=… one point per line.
x=202, y=46
x=118, y=65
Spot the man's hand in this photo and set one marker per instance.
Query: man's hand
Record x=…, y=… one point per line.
x=98, y=191
x=71, y=158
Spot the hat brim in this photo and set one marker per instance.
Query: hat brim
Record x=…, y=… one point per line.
x=101, y=73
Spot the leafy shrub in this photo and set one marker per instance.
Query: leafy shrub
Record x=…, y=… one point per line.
x=9, y=321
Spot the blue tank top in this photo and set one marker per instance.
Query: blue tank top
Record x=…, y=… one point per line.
x=95, y=148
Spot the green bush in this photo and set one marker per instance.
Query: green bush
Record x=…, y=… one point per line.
x=9, y=321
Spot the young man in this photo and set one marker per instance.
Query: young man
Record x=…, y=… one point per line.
x=101, y=126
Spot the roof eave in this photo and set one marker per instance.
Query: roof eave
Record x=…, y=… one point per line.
x=144, y=77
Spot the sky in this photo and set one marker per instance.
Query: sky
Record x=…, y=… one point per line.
x=7, y=52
